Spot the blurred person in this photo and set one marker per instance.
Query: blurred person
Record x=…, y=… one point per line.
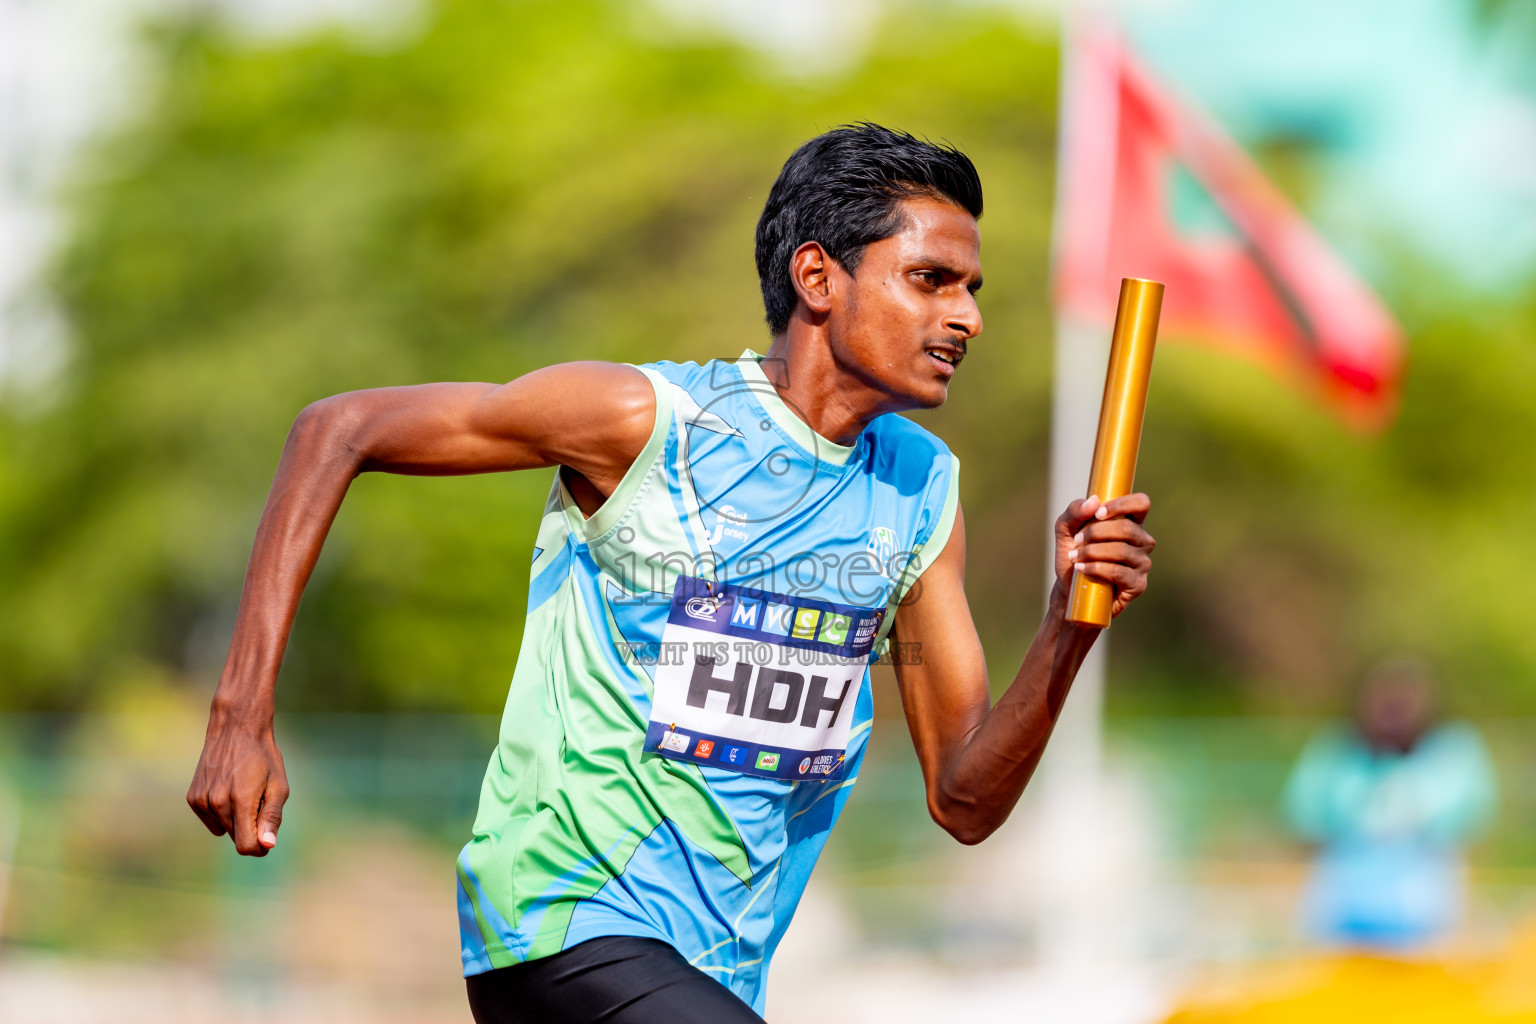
x=1389, y=801
x=725, y=550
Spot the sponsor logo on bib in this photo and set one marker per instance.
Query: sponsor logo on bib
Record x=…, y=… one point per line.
x=702, y=608
x=766, y=681
x=824, y=764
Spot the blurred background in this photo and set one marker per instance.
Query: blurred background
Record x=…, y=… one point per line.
x=215, y=212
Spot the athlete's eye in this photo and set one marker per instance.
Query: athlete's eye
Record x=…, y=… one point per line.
x=928, y=277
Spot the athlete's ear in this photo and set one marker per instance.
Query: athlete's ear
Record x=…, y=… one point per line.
x=812, y=271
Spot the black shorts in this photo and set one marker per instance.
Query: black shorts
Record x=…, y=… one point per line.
x=618, y=979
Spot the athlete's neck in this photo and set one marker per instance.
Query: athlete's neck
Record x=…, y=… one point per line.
x=833, y=400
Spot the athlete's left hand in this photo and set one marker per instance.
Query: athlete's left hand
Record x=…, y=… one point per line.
x=1108, y=542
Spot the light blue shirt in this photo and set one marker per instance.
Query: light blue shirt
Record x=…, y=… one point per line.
x=1389, y=826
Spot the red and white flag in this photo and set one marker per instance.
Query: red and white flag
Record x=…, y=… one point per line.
x=1264, y=284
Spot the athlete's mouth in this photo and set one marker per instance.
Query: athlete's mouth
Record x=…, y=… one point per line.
x=949, y=355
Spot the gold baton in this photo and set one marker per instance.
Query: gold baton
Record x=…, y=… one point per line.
x=1125, y=400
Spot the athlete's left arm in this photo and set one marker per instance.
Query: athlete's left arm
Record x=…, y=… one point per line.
x=977, y=759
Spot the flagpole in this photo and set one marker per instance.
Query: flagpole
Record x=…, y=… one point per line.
x=1074, y=925
x=1071, y=918
x=1118, y=129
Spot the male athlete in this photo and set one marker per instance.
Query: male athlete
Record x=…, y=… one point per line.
x=725, y=550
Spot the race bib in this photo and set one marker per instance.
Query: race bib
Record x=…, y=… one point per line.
x=759, y=683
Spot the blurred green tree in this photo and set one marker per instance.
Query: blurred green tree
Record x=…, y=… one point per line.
x=1294, y=554
x=516, y=184
x=512, y=185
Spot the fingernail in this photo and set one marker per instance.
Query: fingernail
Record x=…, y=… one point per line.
x=1101, y=513
x=269, y=838
x=1072, y=555
x=1078, y=538
x=1093, y=497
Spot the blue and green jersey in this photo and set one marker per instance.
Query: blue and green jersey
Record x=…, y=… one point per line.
x=692, y=698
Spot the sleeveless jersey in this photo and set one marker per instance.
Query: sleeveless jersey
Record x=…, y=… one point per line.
x=691, y=701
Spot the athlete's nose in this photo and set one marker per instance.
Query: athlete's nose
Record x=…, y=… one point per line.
x=965, y=319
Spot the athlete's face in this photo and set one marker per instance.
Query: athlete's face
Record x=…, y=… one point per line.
x=903, y=320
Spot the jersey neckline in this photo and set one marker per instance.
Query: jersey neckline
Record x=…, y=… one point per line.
x=799, y=431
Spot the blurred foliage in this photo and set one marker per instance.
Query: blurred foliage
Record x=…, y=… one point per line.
x=517, y=184
x=110, y=863
x=103, y=857
x=1293, y=553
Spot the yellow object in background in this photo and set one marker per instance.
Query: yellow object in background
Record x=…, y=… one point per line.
x=1120, y=415
x=1358, y=989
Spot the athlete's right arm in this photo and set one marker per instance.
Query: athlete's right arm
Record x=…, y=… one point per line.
x=593, y=418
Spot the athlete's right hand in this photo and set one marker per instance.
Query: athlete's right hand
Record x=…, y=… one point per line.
x=240, y=784
x=592, y=418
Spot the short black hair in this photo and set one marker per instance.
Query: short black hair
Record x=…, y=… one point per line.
x=843, y=189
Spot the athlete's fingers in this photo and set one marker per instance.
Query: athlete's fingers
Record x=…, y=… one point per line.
x=271, y=815
x=1112, y=551
x=211, y=819
x=1127, y=530
x=246, y=797
x=198, y=800
x=1107, y=543
x=221, y=805
x=1113, y=573
x=1132, y=506
x=1124, y=595
x=1069, y=526
x=1077, y=513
